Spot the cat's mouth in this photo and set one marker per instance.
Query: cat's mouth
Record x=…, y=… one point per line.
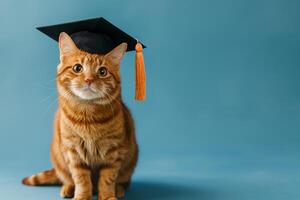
x=86, y=92
x=89, y=89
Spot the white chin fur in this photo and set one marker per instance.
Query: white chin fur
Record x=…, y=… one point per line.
x=85, y=94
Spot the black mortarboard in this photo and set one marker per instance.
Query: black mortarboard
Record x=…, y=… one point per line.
x=93, y=35
x=98, y=36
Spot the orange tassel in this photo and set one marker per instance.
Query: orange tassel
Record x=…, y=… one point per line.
x=140, y=74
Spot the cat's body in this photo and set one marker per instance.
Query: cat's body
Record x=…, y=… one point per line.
x=94, y=145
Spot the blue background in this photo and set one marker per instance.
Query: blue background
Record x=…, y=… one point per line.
x=221, y=120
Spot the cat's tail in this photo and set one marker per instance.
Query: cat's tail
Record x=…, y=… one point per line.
x=48, y=177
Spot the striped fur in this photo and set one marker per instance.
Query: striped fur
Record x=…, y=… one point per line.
x=94, y=146
x=43, y=178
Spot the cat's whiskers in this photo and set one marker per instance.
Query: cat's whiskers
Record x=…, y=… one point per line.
x=112, y=98
x=46, y=98
x=54, y=79
x=50, y=105
x=67, y=96
x=65, y=93
x=46, y=87
x=109, y=102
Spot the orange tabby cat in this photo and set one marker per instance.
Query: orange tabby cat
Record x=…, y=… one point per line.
x=94, y=146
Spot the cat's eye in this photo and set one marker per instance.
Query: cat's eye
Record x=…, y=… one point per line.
x=77, y=68
x=102, y=71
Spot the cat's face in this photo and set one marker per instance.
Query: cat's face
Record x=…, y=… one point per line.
x=85, y=76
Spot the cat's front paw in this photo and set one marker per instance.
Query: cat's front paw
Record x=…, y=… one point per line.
x=109, y=198
x=67, y=191
x=120, y=191
x=112, y=198
x=82, y=198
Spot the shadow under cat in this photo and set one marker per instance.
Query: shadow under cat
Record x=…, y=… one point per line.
x=150, y=190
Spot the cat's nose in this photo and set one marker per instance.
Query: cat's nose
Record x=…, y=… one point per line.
x=89, y=81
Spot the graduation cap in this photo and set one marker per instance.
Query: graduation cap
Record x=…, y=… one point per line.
x=99, y=36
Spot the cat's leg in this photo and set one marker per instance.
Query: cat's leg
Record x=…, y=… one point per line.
x=67, y=191
x=81, y=175
x=120, y=190
x=125, y=175
x=123, y=181
x=62, y=171
x=107, y=182
x=68, y=187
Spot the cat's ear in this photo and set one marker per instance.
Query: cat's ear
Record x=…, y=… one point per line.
x=66, y=45
x=115, y=56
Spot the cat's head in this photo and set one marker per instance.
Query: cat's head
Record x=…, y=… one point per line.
x=85, y=76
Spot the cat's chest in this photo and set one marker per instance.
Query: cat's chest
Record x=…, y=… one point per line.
x=92, y=151
x=92, y=141
x=92, y=147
